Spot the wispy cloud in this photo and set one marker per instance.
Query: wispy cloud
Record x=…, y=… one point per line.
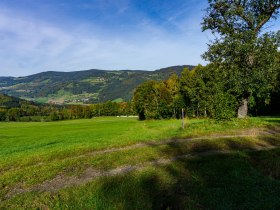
x=30, y=44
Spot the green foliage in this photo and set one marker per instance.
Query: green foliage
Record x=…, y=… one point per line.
x=201, y=92
x=90, y=86
x=26, y=111
x=153, y=100
x=205, y=94
x=54, y=116
x=173, y=86
x=245, y=54
x=13, y=114
x=223, y=107
x=193, y=88
x=244, y=67
x=110, y=108
x=143, y=100
x=2, y=114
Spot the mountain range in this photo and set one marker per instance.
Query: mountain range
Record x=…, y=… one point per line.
x=78, y=87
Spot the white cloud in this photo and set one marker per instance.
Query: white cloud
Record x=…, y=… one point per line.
x=29, y=45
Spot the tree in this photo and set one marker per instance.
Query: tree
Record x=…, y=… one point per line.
x=173, y=86
x=245, y=53
x=125, y=108
x=193, y=88
x=142, y=98
x=204, y=92
x=13, y=114
x=110, y=108
x=152, y=100
x=3, y=112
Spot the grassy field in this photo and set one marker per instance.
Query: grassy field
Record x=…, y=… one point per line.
x=54, y=154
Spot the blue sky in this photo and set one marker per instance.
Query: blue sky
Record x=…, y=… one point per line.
x=68, y=35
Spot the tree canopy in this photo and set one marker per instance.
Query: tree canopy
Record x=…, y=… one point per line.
x=243, y=49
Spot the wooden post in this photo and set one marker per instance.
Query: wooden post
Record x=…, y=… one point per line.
x=183, y=123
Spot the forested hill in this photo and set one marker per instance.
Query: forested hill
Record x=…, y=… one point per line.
x=87, y=86
x=10, y=102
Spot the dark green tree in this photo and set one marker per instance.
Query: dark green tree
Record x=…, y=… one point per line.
x=152, y=100
x=13, y=114
x=54, y=116
x=242, y=49
x=144, y=101
x=194, y=90
x=173, y=86
x=3, y=112
x=110, y=108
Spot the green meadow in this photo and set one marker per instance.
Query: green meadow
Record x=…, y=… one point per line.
x=140, y=164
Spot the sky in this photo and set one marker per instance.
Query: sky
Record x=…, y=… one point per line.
x=72, y=35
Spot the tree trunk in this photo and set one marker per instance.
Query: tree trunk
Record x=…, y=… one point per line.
x=243, y=109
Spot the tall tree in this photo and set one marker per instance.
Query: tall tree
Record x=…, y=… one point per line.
x=242, y=49
x=152, y=100
x=173, y=86
x=194, y=90
x=144, y=100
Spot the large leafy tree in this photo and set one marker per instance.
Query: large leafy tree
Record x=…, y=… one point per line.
x=194, y=90
x=242, y=49
x=152, y=100
x=173, y=86
x=205, y=94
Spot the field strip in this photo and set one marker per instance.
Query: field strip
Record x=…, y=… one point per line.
x=245, y=133
x=163, y=142
x=173, y=141
x=90, y=174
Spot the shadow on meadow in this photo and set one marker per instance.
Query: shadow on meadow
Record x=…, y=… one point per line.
x=271, y=118
x=243, y=179
x=239, y=180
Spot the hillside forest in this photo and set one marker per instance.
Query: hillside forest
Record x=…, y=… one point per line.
x=200, y=92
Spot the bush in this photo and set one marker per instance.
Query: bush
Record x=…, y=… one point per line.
x=2, y=116
x=34, y=119
x=223, y=107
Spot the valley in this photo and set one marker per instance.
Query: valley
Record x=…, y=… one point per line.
x=82, y=87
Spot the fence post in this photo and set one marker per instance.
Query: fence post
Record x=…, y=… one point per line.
x=183, y=123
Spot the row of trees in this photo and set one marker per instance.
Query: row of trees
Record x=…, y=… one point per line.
x=30, y=112
x=243, y=72
x=204, y=91
x=244, y=49
x=198, y=91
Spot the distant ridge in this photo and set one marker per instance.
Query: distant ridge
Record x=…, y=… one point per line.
x=87, y=86
x=10, y=101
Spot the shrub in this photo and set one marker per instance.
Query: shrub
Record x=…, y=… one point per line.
x=223, y=107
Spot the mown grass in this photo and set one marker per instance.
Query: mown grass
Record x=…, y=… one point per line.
x=32, y=153
x=21, y=143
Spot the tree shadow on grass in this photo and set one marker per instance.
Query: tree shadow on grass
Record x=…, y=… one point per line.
x=240, y=180
x=272, y=119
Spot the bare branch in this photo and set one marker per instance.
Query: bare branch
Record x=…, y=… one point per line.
x=270, y=12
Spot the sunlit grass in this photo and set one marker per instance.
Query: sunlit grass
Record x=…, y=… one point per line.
x=28, y=143
x=31, y=153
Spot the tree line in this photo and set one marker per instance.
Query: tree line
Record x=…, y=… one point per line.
x=243, y=71
x=26, y=112
x=201, y=92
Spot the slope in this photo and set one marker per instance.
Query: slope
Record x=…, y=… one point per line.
x=87, y=86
